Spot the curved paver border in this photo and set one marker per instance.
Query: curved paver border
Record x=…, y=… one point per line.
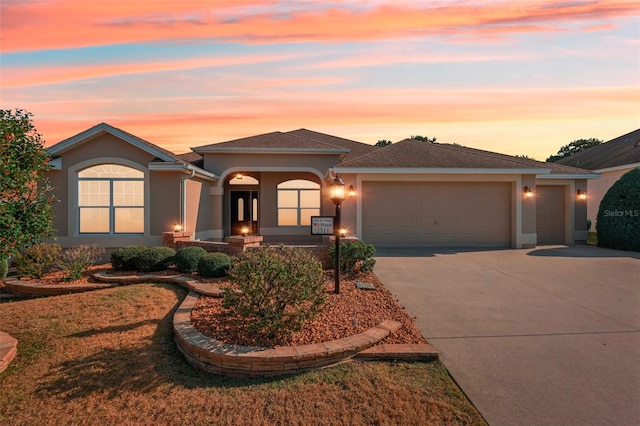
x=214, y=356
x=8, y=350
x=242, y=361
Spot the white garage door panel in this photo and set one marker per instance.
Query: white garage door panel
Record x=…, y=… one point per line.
x=436, y=214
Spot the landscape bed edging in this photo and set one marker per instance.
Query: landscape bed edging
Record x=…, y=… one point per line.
x=214, y=356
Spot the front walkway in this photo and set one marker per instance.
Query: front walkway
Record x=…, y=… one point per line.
x=547, y=336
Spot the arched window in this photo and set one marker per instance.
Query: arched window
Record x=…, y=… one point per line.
x=298, y=200
x=110, y=200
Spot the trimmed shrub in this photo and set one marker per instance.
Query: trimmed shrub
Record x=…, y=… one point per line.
x=76, y=260
x=155, y=259
x=618, y=224
x=35, y=261
x=187, y=259
x=355, y=257
x=124, y=258
x=279, y=289
x=214, y=265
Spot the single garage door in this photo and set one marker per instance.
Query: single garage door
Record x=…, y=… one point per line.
x=436, y=214
x=550, y=214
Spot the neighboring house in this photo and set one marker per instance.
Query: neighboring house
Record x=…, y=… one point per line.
x=116, y=189
x=611, y=160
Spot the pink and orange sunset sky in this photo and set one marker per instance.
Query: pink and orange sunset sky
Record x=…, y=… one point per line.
x=518, y=77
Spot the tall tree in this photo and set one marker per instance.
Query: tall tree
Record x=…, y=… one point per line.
x=423, y=138
x=25, y=203
x=383, y=142
x=574, y=148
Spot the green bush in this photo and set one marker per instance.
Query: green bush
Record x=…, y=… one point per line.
x=124, y=258
x=76, y=260
x=187, y=259
x=618, y=224
x=155, y=259
x=279, y=289
x=355, y=256
x=214, y=265
x=36, y=260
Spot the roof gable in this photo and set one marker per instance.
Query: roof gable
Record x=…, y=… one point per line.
x=621, y=151
x=164, y=159
x=104, y=128
x=413, y=154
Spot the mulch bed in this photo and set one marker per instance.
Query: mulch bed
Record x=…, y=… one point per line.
x=351, y=312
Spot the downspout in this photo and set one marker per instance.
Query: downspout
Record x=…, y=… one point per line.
x=183, y=199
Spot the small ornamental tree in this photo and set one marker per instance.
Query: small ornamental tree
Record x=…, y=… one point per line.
x=618, y=224
x=25, y=203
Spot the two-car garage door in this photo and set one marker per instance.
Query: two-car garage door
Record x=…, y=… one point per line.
x=436, y=214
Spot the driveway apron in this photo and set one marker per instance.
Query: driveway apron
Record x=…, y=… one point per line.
x=545, y=336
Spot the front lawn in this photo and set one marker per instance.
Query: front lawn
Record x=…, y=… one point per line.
x=108, y=357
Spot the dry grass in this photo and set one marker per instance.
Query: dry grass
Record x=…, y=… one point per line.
x=108, y=357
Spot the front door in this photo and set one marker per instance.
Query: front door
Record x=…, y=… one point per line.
x=244, y=211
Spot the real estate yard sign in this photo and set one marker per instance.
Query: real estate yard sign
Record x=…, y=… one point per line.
x=321, y=225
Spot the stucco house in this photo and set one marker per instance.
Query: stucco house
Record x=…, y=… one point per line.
x=611, y=160
x=116, y=189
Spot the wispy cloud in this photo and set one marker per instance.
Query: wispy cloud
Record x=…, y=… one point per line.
x=58, y=24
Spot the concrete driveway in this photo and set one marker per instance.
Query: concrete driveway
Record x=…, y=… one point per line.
x=547, y=336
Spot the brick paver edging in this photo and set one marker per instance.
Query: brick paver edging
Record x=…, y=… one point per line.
x=8, y=350
x=247, y=361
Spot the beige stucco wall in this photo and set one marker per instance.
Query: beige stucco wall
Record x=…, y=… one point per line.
x=162, y=190
x=597, y=188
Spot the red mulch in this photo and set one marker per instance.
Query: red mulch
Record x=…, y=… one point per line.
x=351, y=312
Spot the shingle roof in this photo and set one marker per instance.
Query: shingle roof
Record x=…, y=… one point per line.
x=356, y=149
x=620, y=151
x=409, y=154
x=163, y=158
x=271, y=141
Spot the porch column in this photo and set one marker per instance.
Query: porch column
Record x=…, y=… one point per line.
x=217, y=202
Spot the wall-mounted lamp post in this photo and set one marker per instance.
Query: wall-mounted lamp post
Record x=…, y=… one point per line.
x=337, y=196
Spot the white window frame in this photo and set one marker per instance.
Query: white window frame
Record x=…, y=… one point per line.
x=73, y=222
x=298, y=209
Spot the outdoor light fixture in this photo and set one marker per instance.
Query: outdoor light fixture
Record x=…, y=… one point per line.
x=582, y=195
x=528, y=192
x=343, y=231
x=239, y=176
x=352, y=191
x=245, y=231
x=177, y=227
x=337, y=196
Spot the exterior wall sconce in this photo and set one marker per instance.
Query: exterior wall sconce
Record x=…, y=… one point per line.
x=582, y=195
x=528, y=192
x=352, y=191
x=245, y=231
x=343, y=231
x=177, y=227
